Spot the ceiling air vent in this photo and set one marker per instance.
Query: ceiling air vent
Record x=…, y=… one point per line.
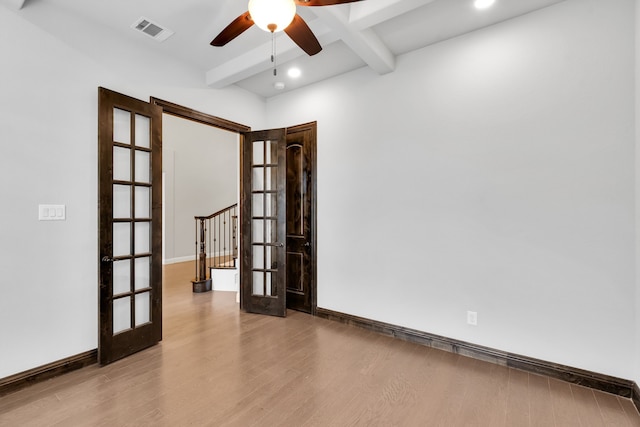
x=152, y=29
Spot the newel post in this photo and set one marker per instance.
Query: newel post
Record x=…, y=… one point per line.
x=201, y=283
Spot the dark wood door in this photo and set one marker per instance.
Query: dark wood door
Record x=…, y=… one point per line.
x=301, y=150
x=263, y=232
x=130, y=223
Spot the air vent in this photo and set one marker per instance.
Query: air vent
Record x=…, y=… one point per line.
x=152, y=29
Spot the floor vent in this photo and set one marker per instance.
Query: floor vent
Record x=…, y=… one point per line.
x=152, y=29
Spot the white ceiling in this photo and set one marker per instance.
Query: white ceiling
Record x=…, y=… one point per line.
x=368, y=33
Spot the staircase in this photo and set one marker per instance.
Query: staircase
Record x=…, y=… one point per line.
x=216, y=251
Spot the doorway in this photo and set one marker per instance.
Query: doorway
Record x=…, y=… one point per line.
x=300, y=200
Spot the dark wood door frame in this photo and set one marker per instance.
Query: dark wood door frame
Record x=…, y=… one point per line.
x=197, y=116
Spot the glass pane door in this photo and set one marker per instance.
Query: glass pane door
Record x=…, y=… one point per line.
x=263, y=225
x=130, y=225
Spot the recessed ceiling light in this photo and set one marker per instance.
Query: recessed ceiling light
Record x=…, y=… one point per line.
x=278, y=85
x=483, y=4
x=294, y=73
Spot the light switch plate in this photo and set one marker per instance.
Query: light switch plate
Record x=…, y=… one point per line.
x=52, y=212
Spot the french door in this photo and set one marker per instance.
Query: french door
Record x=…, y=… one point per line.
x=263, y=222
x=130, y=224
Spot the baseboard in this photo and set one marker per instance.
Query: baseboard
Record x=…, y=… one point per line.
x=594, y=380
x=187, y=258
x=178, y=260
x=24, y=379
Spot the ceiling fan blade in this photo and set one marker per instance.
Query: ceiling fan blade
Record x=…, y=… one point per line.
x=302, y=35
x=233, y=30
x=322, y=2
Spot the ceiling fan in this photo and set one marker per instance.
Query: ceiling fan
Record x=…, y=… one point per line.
x=274, y=16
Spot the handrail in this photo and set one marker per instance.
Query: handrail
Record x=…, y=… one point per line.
x=217, y=213
x=220, y=231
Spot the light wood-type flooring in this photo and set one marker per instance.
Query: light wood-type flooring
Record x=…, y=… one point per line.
x=219, y=366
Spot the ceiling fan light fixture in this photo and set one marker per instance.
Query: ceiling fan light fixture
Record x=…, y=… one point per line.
x=272, y=15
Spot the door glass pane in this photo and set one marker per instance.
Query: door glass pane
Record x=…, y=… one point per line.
x=121, y=164
x=270, y=234
x=257, y=205
x=143, y=131
x=257, y=230
x=269, y=179
x=121, y=126
x=143, y=308
x=121, y=276
x=121, y=314
x=143, y=202
x=267, y=257
x=257, y=179
x=121, y=201
x=258, y=257
x=272, y=152
x=143, y=166
x=270, y=290
x=271, y=205
x=143, y=238
x=121, y=238
x=258, y=153
x=142, y=273
x=258, y=283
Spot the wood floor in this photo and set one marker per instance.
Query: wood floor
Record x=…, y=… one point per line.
x=218, y=366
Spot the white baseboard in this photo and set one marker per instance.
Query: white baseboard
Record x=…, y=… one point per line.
x=178, y=260
x=193, y=257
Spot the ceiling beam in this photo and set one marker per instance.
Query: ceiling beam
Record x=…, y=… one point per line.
x=366, y=14
x=365, y=43
x=258, y=60
x=15, y=4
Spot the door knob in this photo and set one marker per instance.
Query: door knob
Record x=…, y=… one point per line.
x=307, y=244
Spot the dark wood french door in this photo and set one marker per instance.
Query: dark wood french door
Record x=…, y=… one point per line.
x=130, y=224
x=263, y=227
x=277, y=269
x=301, y=151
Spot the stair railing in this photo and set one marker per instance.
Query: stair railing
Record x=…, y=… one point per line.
x=216, y=240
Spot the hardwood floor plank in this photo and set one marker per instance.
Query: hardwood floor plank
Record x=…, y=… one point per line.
x=485, y=401
x=630, y=411
x=518, y=410
x=540, y=405
x=565, y=412
x=612, y=412
x=222, y=367
x=588, y=412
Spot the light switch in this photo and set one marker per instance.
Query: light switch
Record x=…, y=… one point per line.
x=52, y=212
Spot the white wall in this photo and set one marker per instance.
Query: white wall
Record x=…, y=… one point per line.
x=200, y=163
x=48, y=154
x=493, y=172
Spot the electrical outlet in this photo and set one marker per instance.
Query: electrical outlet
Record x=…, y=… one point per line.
x=472, y=318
